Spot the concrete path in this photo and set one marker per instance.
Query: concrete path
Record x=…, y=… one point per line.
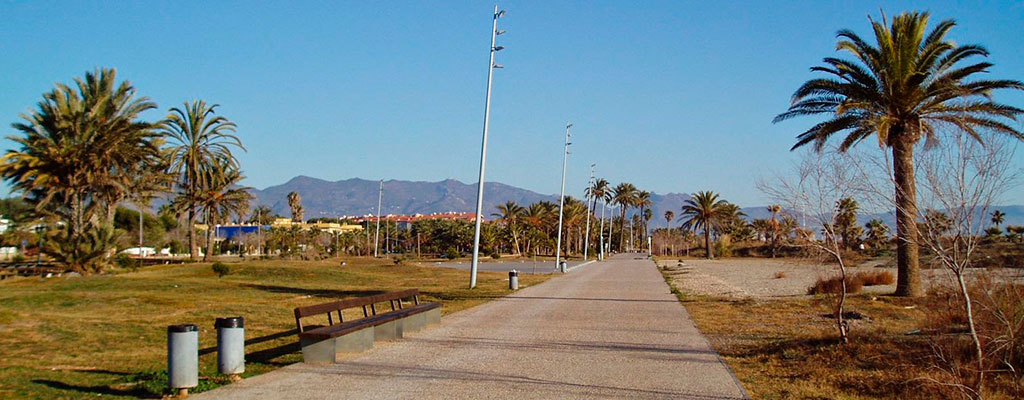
x=523, y=266
x=607, y=330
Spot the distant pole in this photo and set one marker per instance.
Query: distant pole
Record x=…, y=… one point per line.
x=561, y=197
x=376, y=236
x=140, y=230
x=600, y=234
x=586, y=237
x=483, y=147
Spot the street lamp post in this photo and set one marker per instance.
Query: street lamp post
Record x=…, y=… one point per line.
x=600, y=255
x=376, y=236
x=491, y=66
x=561, y=197
x=586, y=237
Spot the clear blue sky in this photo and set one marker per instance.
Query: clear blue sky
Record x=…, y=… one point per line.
x=671, y=96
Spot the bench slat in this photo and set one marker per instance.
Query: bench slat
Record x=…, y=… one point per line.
x=327, y=332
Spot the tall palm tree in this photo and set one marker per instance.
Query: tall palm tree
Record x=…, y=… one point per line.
x=200, y=142
x=704, y=211
x=295, y=204
x=79, y=148
x=220, y=198
x=877, y=232
x=902, y=89
x=669, y=215
x=600, y=189
x=624, y=194
x=261, y=215
x=509, y=213
x=643, y=201
x=997, y=217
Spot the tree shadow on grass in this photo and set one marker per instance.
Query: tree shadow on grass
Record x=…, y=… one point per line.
x=325, y=293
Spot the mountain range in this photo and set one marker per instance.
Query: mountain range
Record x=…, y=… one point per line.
x=358, y=197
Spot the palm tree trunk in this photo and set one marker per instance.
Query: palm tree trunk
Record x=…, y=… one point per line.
x=211, y=220
x=193, y=249
x=908, y=282
x=707, y=243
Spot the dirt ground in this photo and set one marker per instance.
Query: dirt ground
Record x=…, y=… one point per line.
x=773, y=278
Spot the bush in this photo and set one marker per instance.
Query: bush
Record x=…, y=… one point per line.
x=451, y=253
x=18, y=258
x=127, y=262
x=781, y=274
x=834, y=285
x=875, y=278
x=221, y=269
x=496, y=255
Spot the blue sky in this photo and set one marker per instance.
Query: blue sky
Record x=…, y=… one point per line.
x=671, y=96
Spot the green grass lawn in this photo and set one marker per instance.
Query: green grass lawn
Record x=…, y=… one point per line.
x=105, y=336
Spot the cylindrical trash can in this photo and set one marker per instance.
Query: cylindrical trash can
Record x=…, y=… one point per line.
x=182, y=357
x=561, y=267
x=230, y=345
x=513, y=280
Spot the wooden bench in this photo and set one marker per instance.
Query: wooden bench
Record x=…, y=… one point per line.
x=321, y=343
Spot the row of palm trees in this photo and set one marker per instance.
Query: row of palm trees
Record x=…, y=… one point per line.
x=84, y=150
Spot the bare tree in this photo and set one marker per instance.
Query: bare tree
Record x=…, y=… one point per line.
x=822, y=179
x=961, y=182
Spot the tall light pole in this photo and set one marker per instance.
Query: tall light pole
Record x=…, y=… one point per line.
x=483, y=146
x=561, y=197
x=604, y=203
x=586, y=237
x=376, y=236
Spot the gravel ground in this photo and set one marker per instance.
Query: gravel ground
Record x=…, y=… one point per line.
x=766, y=278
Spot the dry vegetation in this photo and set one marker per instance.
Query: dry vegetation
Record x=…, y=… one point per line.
x=106, y=335
x=854, y=282
x=899, y=348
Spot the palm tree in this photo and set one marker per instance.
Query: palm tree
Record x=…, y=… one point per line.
x=901, y=90
x=261, y=215
x=79, y=150
x=200, y=141
x=774, y=209
x=877, y=233
x=997, y=217
x=509, y=213
x=600, y=189
x=704, y=211
x=220, y=198
x=846, y=220
x=643, y=201
x=295, y=203
x=624, y=194
x=669, y=215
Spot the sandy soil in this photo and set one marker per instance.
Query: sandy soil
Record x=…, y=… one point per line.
x=766, y=278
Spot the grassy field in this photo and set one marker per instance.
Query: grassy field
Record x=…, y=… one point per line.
x=105, y=336
x=787, y=348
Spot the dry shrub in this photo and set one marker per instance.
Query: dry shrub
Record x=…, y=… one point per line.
x=875, y=278
x=781, y=274
x=834, y=285
x=999, y=320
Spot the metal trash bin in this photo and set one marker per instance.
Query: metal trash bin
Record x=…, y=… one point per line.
x=513, y=280
x=230, y=345
x=561, y=267
x=182, y=357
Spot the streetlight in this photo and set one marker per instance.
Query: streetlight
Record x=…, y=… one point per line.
x=561, y=197
x=590, y=192
x=491, y=66
x=376, y=236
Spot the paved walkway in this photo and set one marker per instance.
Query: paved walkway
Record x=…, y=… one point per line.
x=608, y=330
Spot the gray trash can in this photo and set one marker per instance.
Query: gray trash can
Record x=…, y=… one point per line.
x=561, y=267
x=513, y=280
x=182, y=357
x=230, y=345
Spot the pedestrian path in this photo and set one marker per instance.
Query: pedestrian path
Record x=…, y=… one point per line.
x=609, y=329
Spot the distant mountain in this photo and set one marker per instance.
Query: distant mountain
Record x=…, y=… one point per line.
x=355, y=197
